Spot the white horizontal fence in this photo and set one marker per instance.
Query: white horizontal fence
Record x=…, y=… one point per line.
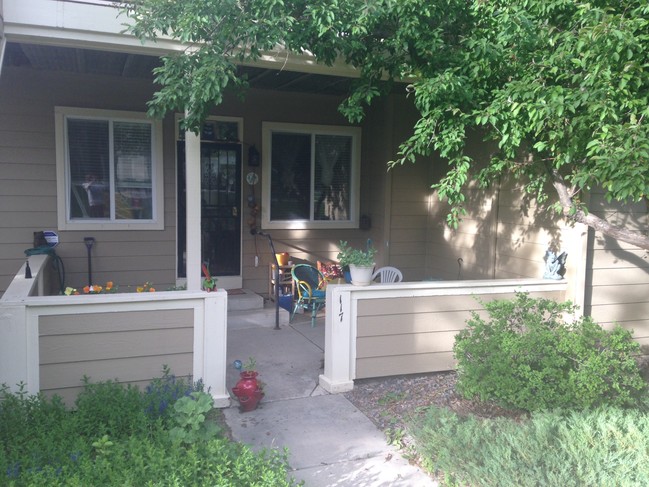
x=405, y=328
x=50, y=342
x=40, y=267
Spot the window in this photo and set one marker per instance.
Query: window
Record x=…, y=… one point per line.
x=310, y=176
x=109, y=170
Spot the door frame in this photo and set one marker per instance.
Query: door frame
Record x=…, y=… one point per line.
x=223, y=282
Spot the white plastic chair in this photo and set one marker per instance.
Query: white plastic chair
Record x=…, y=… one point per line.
x=388, y=274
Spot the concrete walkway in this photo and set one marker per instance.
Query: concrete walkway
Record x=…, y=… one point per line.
x=330, y=442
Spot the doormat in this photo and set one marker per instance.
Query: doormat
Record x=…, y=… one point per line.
x=233, y=292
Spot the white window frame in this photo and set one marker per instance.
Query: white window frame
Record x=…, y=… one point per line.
x=61, y=114
x=354, y=202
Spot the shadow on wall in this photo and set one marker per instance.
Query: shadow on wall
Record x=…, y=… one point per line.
x=505, y=233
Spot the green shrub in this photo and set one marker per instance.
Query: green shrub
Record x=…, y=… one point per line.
x=162, y=393
x=110, y=439
x=599, y=447
x=526, y=356
x=110, y=408
x=189, y=419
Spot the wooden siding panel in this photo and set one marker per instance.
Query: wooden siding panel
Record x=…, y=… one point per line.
x=639, y=328
x=65, y=379
x=428, y=304
x=404, y=364
x=620, y=312
x=413, y=344
x=368, y=326
x=130, y=369
x=69, y=394
x=515, y=216
x=80, y=348
x=417, y=208
x=602, y=295
x=28, y=184
x=415, y=334
x=618, y=277
x=628, y=259
x=129, y=346
x=617, y=247
x=115, y=321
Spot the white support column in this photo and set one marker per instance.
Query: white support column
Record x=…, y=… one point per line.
x=193, y=218
x=340, y=341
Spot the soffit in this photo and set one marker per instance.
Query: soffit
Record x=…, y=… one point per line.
x=129, y=65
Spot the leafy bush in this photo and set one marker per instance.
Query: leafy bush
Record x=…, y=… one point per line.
x=604, y=446
x=44, y=443
x=189, y=419
x=110, y=408
x=526, y=356
x=162, y=393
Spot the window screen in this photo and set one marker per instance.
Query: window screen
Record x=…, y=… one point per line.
x=110, y=167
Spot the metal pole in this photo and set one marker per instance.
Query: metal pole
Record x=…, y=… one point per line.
x=89, y=241
x=272, y=248
x=254, y=231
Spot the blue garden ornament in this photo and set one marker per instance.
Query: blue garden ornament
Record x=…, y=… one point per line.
x=237, y=364
x=555, y=265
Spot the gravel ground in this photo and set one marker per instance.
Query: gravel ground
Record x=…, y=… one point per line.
x=390, y=402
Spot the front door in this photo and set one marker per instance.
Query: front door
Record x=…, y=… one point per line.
x=220, y=211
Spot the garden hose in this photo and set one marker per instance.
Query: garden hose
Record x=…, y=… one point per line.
x=57, y=263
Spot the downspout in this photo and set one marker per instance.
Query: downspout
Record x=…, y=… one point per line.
x=387, y=188
x=193, y=208
x=494, y=230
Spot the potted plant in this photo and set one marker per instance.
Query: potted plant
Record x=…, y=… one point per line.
x=249, y=390
x=361, y=262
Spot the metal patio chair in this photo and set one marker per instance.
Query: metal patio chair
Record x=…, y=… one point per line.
x=310, y=284
x=388, y=274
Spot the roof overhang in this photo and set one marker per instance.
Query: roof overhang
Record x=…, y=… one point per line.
x=97, y=24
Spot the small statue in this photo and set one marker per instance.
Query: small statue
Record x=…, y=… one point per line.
x=554, y=265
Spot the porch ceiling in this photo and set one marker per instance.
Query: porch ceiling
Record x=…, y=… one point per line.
x=107, y=63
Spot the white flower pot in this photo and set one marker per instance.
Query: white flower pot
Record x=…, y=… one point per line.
x=361, y=275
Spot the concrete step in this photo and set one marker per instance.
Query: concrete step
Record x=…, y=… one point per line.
x=243, y=300
x=254, y=318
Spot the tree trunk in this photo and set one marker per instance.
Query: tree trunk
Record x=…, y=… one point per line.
x=598, y=224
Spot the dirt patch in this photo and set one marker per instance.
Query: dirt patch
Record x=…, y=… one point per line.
x=391, y=402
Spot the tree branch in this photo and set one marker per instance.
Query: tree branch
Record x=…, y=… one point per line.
x=598, y=224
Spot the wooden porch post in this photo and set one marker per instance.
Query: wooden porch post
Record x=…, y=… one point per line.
x=193, y=218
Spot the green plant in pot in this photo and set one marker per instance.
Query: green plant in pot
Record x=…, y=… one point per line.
x=360, y=262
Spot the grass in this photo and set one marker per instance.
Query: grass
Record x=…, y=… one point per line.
x=122, y=436
x=603, y=446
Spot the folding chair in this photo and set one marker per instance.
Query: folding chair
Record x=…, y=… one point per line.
x=310, y=284
x=388, y=274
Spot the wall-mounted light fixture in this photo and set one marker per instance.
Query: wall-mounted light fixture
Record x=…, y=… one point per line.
x=253, y=156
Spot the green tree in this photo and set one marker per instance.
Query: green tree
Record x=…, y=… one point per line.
x=559, y=87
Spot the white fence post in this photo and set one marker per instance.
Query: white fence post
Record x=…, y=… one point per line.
x=340, y=341
x=18, y=349
x=213, y=348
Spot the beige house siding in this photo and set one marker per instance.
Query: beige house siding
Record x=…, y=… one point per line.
x=415, y=334
x=131, y=347
x=468, y=251
x=617, y=282
x=28, y=183
x=377, y=147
